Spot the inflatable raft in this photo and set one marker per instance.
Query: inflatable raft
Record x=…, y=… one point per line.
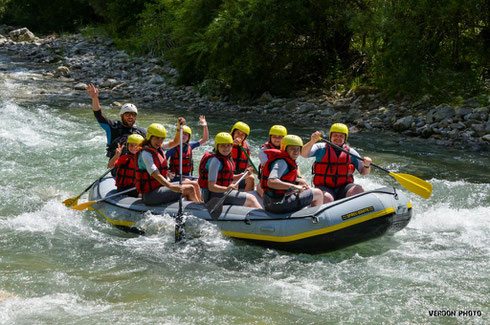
x=310, y=230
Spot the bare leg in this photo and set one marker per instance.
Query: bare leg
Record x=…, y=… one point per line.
x=317, y=197
x=327, y=197
x=252, y=202
x=195, y=185
x=356, y=189
x=260, y=190
x=249, y=183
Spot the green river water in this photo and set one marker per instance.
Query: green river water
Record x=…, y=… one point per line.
x=60, y=266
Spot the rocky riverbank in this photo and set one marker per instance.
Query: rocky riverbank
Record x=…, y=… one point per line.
x=75, y=60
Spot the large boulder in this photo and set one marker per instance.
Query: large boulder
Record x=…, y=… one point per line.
x=22, y=35
x=403, y=124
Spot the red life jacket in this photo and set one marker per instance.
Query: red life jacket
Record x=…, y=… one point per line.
x=239, y=158
x=333, y=171
x=187, y=164
x=144, y=182
x=125, y=171
x=290, y=176
x=225, y=175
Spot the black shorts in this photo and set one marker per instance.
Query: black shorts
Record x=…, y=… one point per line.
x=337, y=192
x=291, y=203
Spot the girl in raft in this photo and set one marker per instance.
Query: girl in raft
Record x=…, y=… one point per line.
x=283, y=190
x=187, y=162
x=240, y=150
x=276, y=133
x=152, y=171
x=216, y=174
x=125, y=165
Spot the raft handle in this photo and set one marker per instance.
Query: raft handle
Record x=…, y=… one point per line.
x=395, y=195
x=314, y=219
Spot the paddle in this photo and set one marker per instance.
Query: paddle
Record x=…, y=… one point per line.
x=85, y=205
x=250, y=160
x=410, y=182
x=74, y=200
x=179, y=218
x=215, y=205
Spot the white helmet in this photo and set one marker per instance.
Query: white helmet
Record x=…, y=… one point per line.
x=128, y=108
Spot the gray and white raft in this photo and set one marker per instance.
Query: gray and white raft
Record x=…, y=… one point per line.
x=320, y=229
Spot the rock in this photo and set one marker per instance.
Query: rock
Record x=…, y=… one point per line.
x=403, y=124
x=425, y=131
x=80, y=86
x=486, y=137
x=326, y=111
x=62, y=71
x=305, y=108
x=266, y=97
x=353, y=114
x=290, y=105
x=156, y=79
x=462, y=111
x=3, y=39
x=457, y=126
x=337, y=117
x=444, y=112
x=487, y=127
x=22, y=35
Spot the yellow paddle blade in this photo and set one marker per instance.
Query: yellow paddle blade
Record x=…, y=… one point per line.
x=83, y=206
x=414, y=184
x=70, y=201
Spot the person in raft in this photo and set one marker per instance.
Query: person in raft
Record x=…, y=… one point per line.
x=152, y=171
x=276, y=133
x=116, y=131
x=126, y=164
x=333, y=169
x=187, y=162
x=284, y=191
x=240, y=150
x=216, y=174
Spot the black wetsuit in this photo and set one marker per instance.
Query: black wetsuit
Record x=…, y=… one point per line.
x=116, y=132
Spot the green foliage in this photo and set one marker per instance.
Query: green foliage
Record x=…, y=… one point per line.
x=415, y=47
x=427, y=46
x=46, y=15
x=120, y=16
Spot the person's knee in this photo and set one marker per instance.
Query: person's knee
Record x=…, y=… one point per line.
x=356, y=189
x=327, y=197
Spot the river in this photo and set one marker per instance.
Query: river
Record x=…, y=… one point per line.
x=60, y=266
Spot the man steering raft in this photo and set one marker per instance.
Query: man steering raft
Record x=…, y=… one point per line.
x=117, y=131
x=333, y=169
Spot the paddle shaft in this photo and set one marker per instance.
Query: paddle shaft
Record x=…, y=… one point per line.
x=179, y=219
x=228, y=191
x=250, y=160
x=85, y=205
x=410, y=182
x=353, y=155
x=89, y=187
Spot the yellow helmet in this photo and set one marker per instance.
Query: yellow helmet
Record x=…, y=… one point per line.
x=278, y=130
x=187, y=129
x=222, y=138
x=156, y=130
x=242, y=127
x=291, y=140
x=339, y=128
x=135, y=139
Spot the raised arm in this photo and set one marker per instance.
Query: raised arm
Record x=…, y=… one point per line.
x=305, y=151
x=176, y=140
x=205, y=131
x=94, y=94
